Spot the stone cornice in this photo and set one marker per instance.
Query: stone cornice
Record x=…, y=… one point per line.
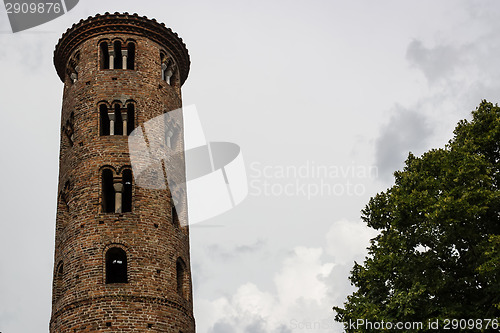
x=125, y=24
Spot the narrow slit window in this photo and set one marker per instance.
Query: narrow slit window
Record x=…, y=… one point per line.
x=130, y=118
x=163, y=60
x=131, y=56
x=108, y=192
x=104, y=61
x=118, y=123
x=64, y=196
x=69, y=129
x=173, y=76
x=63, y=202
x=127, y=190
x=116, y=266
x=118, y=64
x=175, y=216
x=167, y=69
x=104, y=120
x=59, y=280
x=181, y=276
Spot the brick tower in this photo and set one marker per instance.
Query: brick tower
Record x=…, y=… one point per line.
x=121, y=255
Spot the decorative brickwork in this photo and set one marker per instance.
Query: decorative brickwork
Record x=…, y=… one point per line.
x=105, y=224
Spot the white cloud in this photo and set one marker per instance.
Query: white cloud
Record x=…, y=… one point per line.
x=306, y=287
x=300, y=284
x=347, y=241
x=303, y=269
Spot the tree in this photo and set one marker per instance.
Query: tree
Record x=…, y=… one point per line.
x=437, y=254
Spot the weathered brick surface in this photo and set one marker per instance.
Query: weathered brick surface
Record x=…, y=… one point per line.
x=82, y=301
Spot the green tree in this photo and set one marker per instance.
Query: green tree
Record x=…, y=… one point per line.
x=437, y=254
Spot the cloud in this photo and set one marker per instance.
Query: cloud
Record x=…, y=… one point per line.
x=235, y=251
x=222, y=327
x=303, y=269
x=461, y=69
x=300, y=284
x=436, y=63
x=406, y=131
x=347, y=241
x=306, y=286
x=257, y=246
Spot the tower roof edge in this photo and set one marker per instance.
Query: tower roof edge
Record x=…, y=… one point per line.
x=125, y=23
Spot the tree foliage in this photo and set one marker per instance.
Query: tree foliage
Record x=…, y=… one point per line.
x=437, y=254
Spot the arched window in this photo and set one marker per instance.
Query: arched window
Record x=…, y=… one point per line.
x=175, y=217
x=73, y=68
x=131, y=55
x=168, y=69
x=127, y=191
x=104, y=55
x=172, y=132
x=116, y=266
x=117, y=55
x=59, y=280
x=69, y=129
x=118, y=121
x=104, y=120
x=118, y=61
x=181, y=277
x=163, y=64
x=116, y=196
x=108, y=192
x=63, y=203
x=64, y=195
x=130, y=118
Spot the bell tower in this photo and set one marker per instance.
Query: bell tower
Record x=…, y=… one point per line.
x=121, y=256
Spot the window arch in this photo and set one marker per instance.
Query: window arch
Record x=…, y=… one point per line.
x=117, y=55
x=116, y=190
x=182, y=280
x=116, y=120
x=64, y=195
x=69, y=129
x=104, y=55
x=130, y=120
x=130, y=55
x=168, y=69
x=172, y=133
x=73, y=67
x=104, y=121
x=108, y=191
x=116, y=265
x=59, y=280
x=175, y=216
x=127, y=191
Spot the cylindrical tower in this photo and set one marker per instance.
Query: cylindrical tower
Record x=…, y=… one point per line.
x=121, y=255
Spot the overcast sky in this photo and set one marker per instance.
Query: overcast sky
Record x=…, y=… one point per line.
x=301, y=86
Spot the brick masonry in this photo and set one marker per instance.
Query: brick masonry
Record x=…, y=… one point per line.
x=151, y=300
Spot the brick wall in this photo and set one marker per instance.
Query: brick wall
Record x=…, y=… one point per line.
x=150, y=300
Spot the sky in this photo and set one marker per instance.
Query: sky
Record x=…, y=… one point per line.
x=325, y=99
